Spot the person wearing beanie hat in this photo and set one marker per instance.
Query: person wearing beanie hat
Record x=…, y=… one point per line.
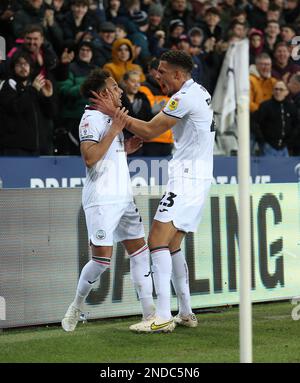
x=139, y=37
x=155, y=10
x=156, y=34
x=196, y=36
x=176, y=29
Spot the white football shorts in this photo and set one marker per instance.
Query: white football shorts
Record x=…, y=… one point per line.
x=108, y=224
x=183, y=203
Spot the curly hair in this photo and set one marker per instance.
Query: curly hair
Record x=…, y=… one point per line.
x=95, y=81
x=179, y=59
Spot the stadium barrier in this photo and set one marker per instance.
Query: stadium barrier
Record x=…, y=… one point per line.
x=44, y=245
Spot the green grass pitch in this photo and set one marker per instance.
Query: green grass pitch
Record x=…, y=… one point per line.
x=216, y=339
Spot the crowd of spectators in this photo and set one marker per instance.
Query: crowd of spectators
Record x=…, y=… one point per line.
x=52, y=45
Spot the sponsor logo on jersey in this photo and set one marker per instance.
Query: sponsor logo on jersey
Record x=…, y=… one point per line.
x=173, y=103
x=100, y=234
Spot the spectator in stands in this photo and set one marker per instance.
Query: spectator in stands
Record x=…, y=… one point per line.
x=257, y=16
x=211, y=25
x=261, y=81
x=277, y=125
x=8, y=10
x=122, y=60
x=175, y=29
x=283, y=66
x=37, y=12
x=272, y=36
x=178, y=9
x=103, y=43
x=196, y=36
x=261, y=89
x=294, y=89
x=256, y=43
x=134, y=101
x=287, y=32
x=115, y=13
x=121, y=31
x=274, y=14
x=184, y=44
x=43, y=56
x=237, y=31
x=227, y=10
x=156, y=34
x=163, y=144
x=291, y=11
x=25, y=107
x=70, y=97
x=78, y=21
x=139, y=37
x=97, y=9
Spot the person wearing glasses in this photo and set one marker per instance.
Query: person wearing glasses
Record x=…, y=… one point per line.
x=26, y=102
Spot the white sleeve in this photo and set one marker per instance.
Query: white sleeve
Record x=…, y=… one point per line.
x=91, y=129
x=178, y=106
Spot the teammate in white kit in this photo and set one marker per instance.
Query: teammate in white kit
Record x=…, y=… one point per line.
x=107, y=199
x=190, y=116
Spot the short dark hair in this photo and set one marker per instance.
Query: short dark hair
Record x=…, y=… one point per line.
x=80, y=2
x=178, y=58
x=20, y=54
x=31, y=28
x=95, y=81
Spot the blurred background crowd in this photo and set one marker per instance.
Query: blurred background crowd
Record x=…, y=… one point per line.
x=52, y=45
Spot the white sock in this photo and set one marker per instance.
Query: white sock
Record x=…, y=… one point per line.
x=180, y=281
x=89, y=274
x=162, y=269
x=141, y=277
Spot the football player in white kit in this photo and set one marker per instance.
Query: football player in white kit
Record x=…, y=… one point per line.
x=190, y=116
x=107, y=199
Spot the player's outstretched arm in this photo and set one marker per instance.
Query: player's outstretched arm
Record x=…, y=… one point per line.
x=151, y=129
x=91, y=151
x=143, y=129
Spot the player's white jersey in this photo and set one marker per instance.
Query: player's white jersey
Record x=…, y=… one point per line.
x=193, y=133
x=108, y=181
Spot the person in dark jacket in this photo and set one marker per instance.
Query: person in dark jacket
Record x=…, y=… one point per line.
x=72, y=102
x=178, y=9
x=78, y=21
x=43, y=56
x=8, y=10
x=25, y=107
x=257, y=14
x=103, y=43
x=294, y=89
x=37, y=12
x=277, y=123
x=134, y=101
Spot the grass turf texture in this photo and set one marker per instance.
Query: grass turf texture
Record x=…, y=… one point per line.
x=216, y=339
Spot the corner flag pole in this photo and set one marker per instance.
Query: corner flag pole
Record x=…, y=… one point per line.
x=245, y=309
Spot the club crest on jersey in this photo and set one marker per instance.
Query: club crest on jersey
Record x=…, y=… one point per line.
x=100, y=234
x=173, y=103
